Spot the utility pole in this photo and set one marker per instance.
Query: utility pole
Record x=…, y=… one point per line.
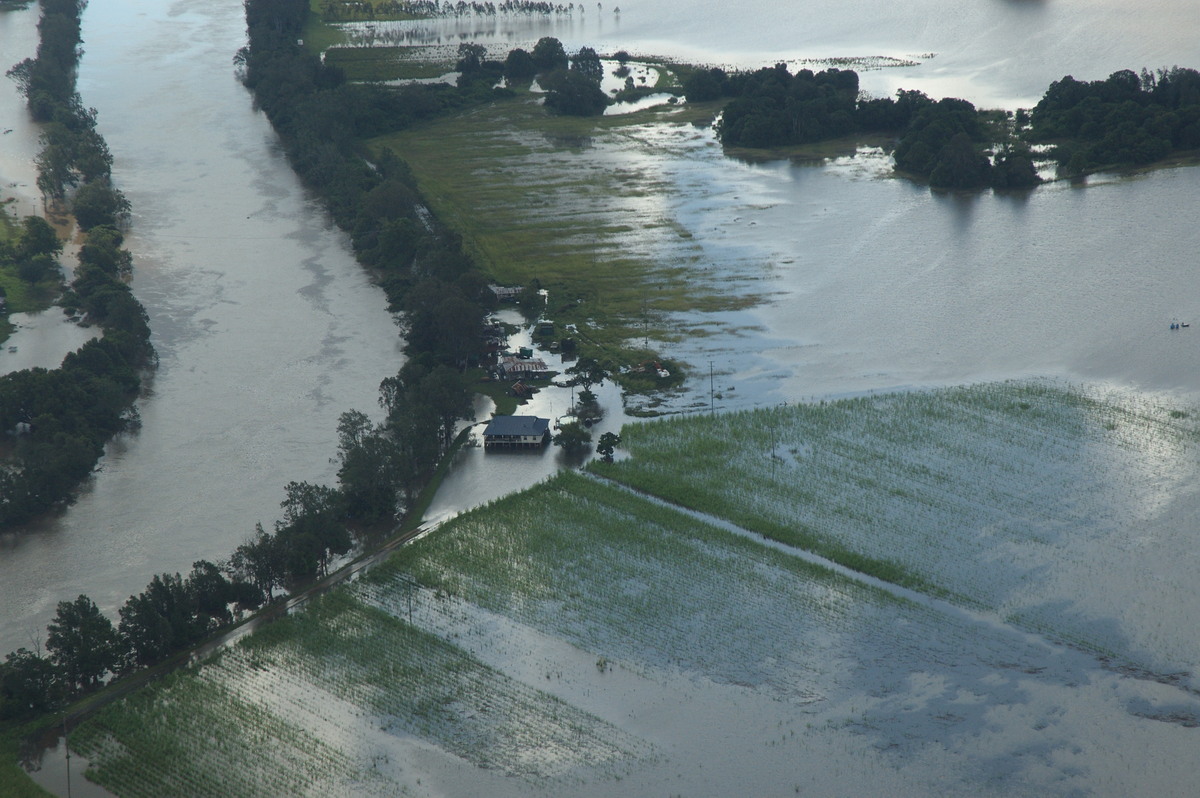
x=67, y=750
x=712, y=407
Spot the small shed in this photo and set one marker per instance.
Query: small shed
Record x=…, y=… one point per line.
x=516, y=432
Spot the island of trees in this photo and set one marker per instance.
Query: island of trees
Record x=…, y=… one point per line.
x=1127, y=119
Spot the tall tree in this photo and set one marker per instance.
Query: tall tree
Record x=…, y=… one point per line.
x=82, y=643
x=587, y=63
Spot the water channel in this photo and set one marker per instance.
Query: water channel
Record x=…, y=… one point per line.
x=267, y=329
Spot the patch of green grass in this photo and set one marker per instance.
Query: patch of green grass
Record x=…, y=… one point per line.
x=384, y=63
x=319, y=37
x=573, y=203
x=287, y=711
x=967, y=493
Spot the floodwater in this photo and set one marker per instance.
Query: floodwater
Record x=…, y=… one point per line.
x=18, y=133
x=41, y=340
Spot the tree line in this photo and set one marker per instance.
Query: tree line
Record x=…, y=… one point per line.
x=60, y=419
x=945, y=142
x=74, y=164
x=345, y=10
x=1128, y=118
x=1123, y=120
x=322, y=122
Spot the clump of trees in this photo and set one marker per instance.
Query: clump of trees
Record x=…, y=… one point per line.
x=1125, y=119
x=945, y=142
x=74, y=164
x=34, y=252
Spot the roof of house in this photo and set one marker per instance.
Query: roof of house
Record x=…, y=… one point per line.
x=517, y=425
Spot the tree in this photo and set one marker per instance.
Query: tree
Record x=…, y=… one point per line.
x=311, y=532
x=370, y=474
x=519, y=67
x=572, y=437
x=37, y=238
x=588, y=372
x=38, y=268
x=98, y=203
x=470, y=57
x=259, y=561
x=160, y=620
x=210, y=594
x=570, y=93
x=587, y=63
x=82, y=643
x=609, y=441
x=548, y=54
x=28, y=683
x=960, y=165
x=447, y=392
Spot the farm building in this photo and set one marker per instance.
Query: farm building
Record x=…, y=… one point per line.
x=516, y=432
x=506, y=293
x=512, y=366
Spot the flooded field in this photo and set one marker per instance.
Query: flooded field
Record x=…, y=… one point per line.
x=579, y=639
x=1046, y=505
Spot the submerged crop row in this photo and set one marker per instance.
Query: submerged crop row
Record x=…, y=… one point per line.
x=321, y=702
x=1047, y=503
x=631, y=580
x=490, y=643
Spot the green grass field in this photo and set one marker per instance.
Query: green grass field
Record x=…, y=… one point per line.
x=537, y=197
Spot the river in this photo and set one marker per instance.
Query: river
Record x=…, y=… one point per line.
x=267, y=329
x=265, y=326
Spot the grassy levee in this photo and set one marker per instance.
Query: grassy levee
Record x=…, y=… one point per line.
x=536, y=198
x=1020, y=498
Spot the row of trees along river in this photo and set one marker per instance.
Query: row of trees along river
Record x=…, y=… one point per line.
x=381, y=466
x=63, y=417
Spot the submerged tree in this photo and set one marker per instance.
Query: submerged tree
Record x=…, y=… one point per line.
x=572, y=437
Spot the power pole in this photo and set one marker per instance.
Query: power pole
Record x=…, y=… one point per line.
x=712, y=407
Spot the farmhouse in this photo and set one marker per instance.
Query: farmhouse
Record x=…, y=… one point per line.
x=516, y=432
